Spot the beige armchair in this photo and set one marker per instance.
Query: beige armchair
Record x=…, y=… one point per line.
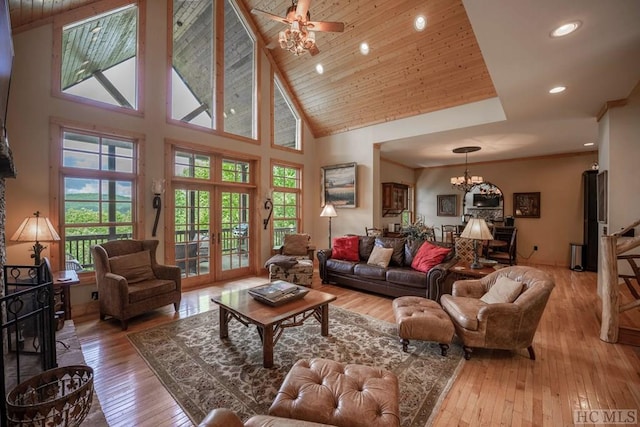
x=131, y=282
x=499, y=325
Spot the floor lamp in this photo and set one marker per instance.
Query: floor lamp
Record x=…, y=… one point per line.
x=329, y=211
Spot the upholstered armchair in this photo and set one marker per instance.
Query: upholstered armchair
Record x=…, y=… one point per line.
x=297, y=245
x=131, y=282
x=500, y=310
x=293, y=260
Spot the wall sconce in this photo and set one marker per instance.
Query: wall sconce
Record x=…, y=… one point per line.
x=268, y=205
x=157, y=188
x=36, y=228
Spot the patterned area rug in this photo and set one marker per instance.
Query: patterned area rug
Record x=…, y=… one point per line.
x=202, y=372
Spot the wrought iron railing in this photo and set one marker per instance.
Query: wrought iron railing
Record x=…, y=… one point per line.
x=28, y=326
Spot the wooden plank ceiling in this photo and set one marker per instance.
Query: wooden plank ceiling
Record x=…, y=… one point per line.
x=406, y=72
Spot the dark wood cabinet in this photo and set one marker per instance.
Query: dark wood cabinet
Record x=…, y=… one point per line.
x=395, y=198
x=590, y=191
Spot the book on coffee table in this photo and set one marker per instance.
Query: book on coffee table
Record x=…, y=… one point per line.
x=278, y=292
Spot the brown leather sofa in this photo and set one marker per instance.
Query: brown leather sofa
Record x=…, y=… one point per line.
x=397, y=280
x=131, y=282
x=504, y=325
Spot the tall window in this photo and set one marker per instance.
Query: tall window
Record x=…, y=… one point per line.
x=239, y=74
x=286, y=122
x=287, y=190
x=192, y=97
x=98, y=174
x=99, y=58
x=194, y=74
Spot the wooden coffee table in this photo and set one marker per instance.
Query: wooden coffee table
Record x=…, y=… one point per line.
x=272, y=321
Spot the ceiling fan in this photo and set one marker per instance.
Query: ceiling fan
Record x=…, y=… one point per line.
x=300, y=36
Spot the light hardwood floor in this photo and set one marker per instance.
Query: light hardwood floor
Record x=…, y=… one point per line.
x=573, y=369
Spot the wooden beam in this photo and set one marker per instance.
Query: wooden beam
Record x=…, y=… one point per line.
x=113, y=91
x=609, y=289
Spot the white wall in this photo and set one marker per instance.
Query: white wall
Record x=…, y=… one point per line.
x=619, y=139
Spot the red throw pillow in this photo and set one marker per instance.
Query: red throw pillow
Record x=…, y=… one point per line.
x=345, y=248
x=428, y=256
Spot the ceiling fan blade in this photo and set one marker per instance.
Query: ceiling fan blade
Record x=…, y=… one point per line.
x=336, y=27
x=302, y=8
x=270, y=16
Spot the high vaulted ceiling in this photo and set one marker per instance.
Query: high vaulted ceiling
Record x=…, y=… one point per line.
x=477, y=75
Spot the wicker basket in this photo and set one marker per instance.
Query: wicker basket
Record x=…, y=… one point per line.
x=57, y=397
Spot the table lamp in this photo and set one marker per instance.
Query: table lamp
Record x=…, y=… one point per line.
x=330, y=212
x=475, y=230
x=38, y=229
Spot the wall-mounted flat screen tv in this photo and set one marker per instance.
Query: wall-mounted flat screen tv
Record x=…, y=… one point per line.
x=485, y=201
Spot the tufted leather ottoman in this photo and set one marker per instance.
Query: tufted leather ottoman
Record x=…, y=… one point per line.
x=422, y=319
x=329, y=392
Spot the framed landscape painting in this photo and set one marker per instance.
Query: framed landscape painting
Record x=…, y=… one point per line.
x=339, y=185
x=447, y=205
x=526, y=205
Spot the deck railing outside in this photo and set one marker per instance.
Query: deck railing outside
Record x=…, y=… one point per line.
x=78, y=248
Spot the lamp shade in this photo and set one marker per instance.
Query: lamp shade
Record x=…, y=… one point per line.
x=35, y=229
x=329, y=211
x=477, y=229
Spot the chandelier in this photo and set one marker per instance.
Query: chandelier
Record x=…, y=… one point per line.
x=465, y=182
x=297, y=39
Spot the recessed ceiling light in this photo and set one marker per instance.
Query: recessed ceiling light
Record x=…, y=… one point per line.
x=319, y=69
x=96, y=29
x=80, y=71
x=557, y=89
x=565, y=29
x=420, y=23
x=589, y=144
x=364, y=48
x=232, y=111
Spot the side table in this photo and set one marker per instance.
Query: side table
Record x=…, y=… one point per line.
x=462, y=271
x=62, y=280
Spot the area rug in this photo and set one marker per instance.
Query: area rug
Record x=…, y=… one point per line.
x=203, y=372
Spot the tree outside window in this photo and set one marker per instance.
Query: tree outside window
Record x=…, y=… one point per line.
x=286, y=181
x=98, y=181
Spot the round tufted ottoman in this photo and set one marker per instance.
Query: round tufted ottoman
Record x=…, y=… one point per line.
x=422, y=319
x=328, y=392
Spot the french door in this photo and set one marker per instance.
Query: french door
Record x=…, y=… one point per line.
x=235, y=234
x=212, y=238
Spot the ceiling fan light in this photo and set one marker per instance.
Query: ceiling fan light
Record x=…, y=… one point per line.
x=295, y=27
